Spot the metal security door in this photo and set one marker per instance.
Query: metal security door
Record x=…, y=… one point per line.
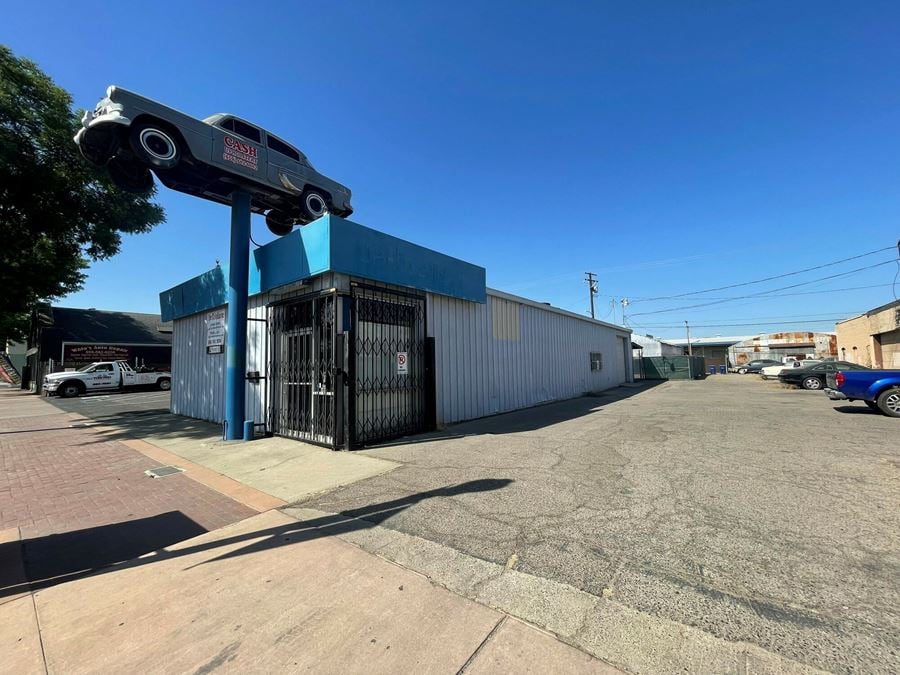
x=302, y=401
x=389, y=371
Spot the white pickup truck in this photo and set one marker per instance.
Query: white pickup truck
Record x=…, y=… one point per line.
x=101, y=376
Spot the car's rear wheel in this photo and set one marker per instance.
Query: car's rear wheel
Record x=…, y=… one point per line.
x=315, y=205
x=889, y=402
x=165, y=384
x=279, y=223
x=156, y=145
x=129, y=175
x=811, y=383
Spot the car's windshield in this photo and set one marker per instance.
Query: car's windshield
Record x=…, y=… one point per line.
x=86, y=369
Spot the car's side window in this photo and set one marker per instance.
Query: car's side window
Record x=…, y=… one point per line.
x=245, y=130
x=282, y=148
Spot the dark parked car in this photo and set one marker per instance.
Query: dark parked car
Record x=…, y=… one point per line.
x=131, y=135
x=814, y=376
x=756, y=366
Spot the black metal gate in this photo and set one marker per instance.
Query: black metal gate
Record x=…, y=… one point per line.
x=302, y=403
x=389, y=368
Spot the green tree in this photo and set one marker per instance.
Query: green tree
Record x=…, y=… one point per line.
x=57, y=212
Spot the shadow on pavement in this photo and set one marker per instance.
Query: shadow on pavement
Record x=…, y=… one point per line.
x=857, y=410
x=59, y=558
x=530, y=419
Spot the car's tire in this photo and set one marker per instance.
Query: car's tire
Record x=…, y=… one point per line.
x=155, y=145
x=279, y=223
x=742, y=371
x=811, y=383
x=314, y=206
x=873, y=405
x=70, y=389
x=130, y=176
x=889, y=402
x=164, y=384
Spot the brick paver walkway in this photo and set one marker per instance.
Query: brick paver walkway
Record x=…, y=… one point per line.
x=82, y=502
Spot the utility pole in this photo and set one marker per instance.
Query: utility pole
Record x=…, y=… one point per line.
x=590, y=278
x=688, y=329
x=625, y=304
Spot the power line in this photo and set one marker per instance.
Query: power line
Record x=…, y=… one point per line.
x=782, y=317
x=777, y=276
x=731, y=325
x=785, y=295
x=765, y=293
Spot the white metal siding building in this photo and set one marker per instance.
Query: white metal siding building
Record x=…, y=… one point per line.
x=390, y=340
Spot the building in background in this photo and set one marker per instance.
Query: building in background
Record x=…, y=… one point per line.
x=67, y=338
x=790, y=344
x=740, y=349
x=872, y=339
x=714, y=349
x=651, y=346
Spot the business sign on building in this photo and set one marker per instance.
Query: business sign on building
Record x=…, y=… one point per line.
x=94, y=352
x=215, y=332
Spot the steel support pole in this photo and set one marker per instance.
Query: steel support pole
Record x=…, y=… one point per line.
x=236, y=337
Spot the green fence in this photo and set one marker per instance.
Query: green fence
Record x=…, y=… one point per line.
x=669, y=367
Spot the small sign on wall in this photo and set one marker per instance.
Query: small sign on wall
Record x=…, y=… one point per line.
x=215, y=332
x=402, y=363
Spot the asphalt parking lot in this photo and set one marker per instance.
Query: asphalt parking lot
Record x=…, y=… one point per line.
x=759, y=515
x=108, y=404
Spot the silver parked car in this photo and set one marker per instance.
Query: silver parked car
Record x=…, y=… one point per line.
x=132, y=135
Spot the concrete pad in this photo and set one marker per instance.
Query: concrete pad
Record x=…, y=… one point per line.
x=248, y=496
x=267, y=594
x=20, y=640
x=519, y=648
x=283, y=468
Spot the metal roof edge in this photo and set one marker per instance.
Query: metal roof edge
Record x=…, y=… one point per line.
x=555, y=310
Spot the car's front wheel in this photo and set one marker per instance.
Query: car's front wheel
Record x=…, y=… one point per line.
x=165, y=384
x=742, y=371
x=154, y=144
x=71, y=389
x=811, y=383
x=889, y=402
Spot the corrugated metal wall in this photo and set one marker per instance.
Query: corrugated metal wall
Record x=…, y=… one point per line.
x=198, y=378
x=510, y=354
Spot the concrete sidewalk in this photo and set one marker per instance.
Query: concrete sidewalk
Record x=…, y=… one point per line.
x=269, y=593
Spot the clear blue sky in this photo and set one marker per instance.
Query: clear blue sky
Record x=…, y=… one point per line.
x=668, y=147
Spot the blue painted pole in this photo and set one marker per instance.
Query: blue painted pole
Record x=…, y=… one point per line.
x=236, y=337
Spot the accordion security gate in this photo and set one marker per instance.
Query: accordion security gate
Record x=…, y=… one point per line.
x=302, y=395
x=390, y=368
x=374, y=386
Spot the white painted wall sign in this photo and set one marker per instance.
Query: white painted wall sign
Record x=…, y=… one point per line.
x=215, y=332
x=402, y=363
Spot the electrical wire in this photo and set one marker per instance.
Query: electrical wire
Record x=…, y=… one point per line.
x=732, y=325
x=785, y=295
x=777, y=276
x=766, y=293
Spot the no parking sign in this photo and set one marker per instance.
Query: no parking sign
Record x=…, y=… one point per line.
x=402, y=363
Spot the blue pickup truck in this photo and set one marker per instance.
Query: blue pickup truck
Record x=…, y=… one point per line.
x=880, y=389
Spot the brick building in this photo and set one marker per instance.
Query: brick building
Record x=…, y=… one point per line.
x=872, y=339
